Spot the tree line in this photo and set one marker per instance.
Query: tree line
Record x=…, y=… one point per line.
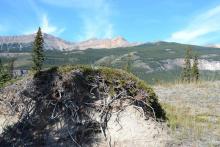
x=190, y=72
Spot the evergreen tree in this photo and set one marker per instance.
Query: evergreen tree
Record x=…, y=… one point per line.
x=11, y=67
x=1, y=66
x=4, y=76
x=38, y=53
x=127, y=66
x=186, y=73
x=195, y=69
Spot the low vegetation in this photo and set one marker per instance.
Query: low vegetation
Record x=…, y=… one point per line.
x=192, y=111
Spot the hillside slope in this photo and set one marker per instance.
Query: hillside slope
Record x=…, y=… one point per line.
x=153, y=62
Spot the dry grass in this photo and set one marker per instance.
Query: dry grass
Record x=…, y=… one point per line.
x=193, y=111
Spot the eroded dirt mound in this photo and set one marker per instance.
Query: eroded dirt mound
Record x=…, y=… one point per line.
x=81, y=106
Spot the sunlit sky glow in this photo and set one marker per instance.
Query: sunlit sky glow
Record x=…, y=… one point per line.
x=184, y=21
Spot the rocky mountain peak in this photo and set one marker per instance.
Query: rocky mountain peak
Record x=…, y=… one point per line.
x=120, y=38
x=52, y=42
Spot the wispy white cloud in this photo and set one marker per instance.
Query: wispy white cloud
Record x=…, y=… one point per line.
x=96, y=26
x=35, y=8
x=199, y=28
x=43, y=19
x=82, y=4
x=47, y=27
x=95, y=16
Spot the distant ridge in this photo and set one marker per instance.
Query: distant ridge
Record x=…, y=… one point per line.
x=215, y=45
x=54, y=43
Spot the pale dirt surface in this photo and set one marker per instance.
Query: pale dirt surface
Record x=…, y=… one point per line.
x=133, y=130
x=199, y=105
x=6, y=120
x=130, y=129
x=127, y=126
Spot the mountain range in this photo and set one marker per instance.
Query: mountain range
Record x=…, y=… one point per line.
x=155, y=61
x=24, y=42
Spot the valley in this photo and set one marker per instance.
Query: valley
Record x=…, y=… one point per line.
x=152, y=62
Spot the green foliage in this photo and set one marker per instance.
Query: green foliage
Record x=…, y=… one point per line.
x=107, y=62
x=120, y=76
x=1, y=66
x=190, y=72
x=128, y=65
x=38, y=52
x=109, y=74
x=186, y=73
x=11, y=67
x=195, y=69
x=4, y=74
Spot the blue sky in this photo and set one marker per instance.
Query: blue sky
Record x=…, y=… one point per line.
x=184, y=21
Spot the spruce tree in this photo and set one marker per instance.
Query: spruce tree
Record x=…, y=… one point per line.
x=11, y=67
x=1, y=66
x=127, y=66
x=195, y=69
x=4, y=76
x=38, y=52
x=186, y=73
